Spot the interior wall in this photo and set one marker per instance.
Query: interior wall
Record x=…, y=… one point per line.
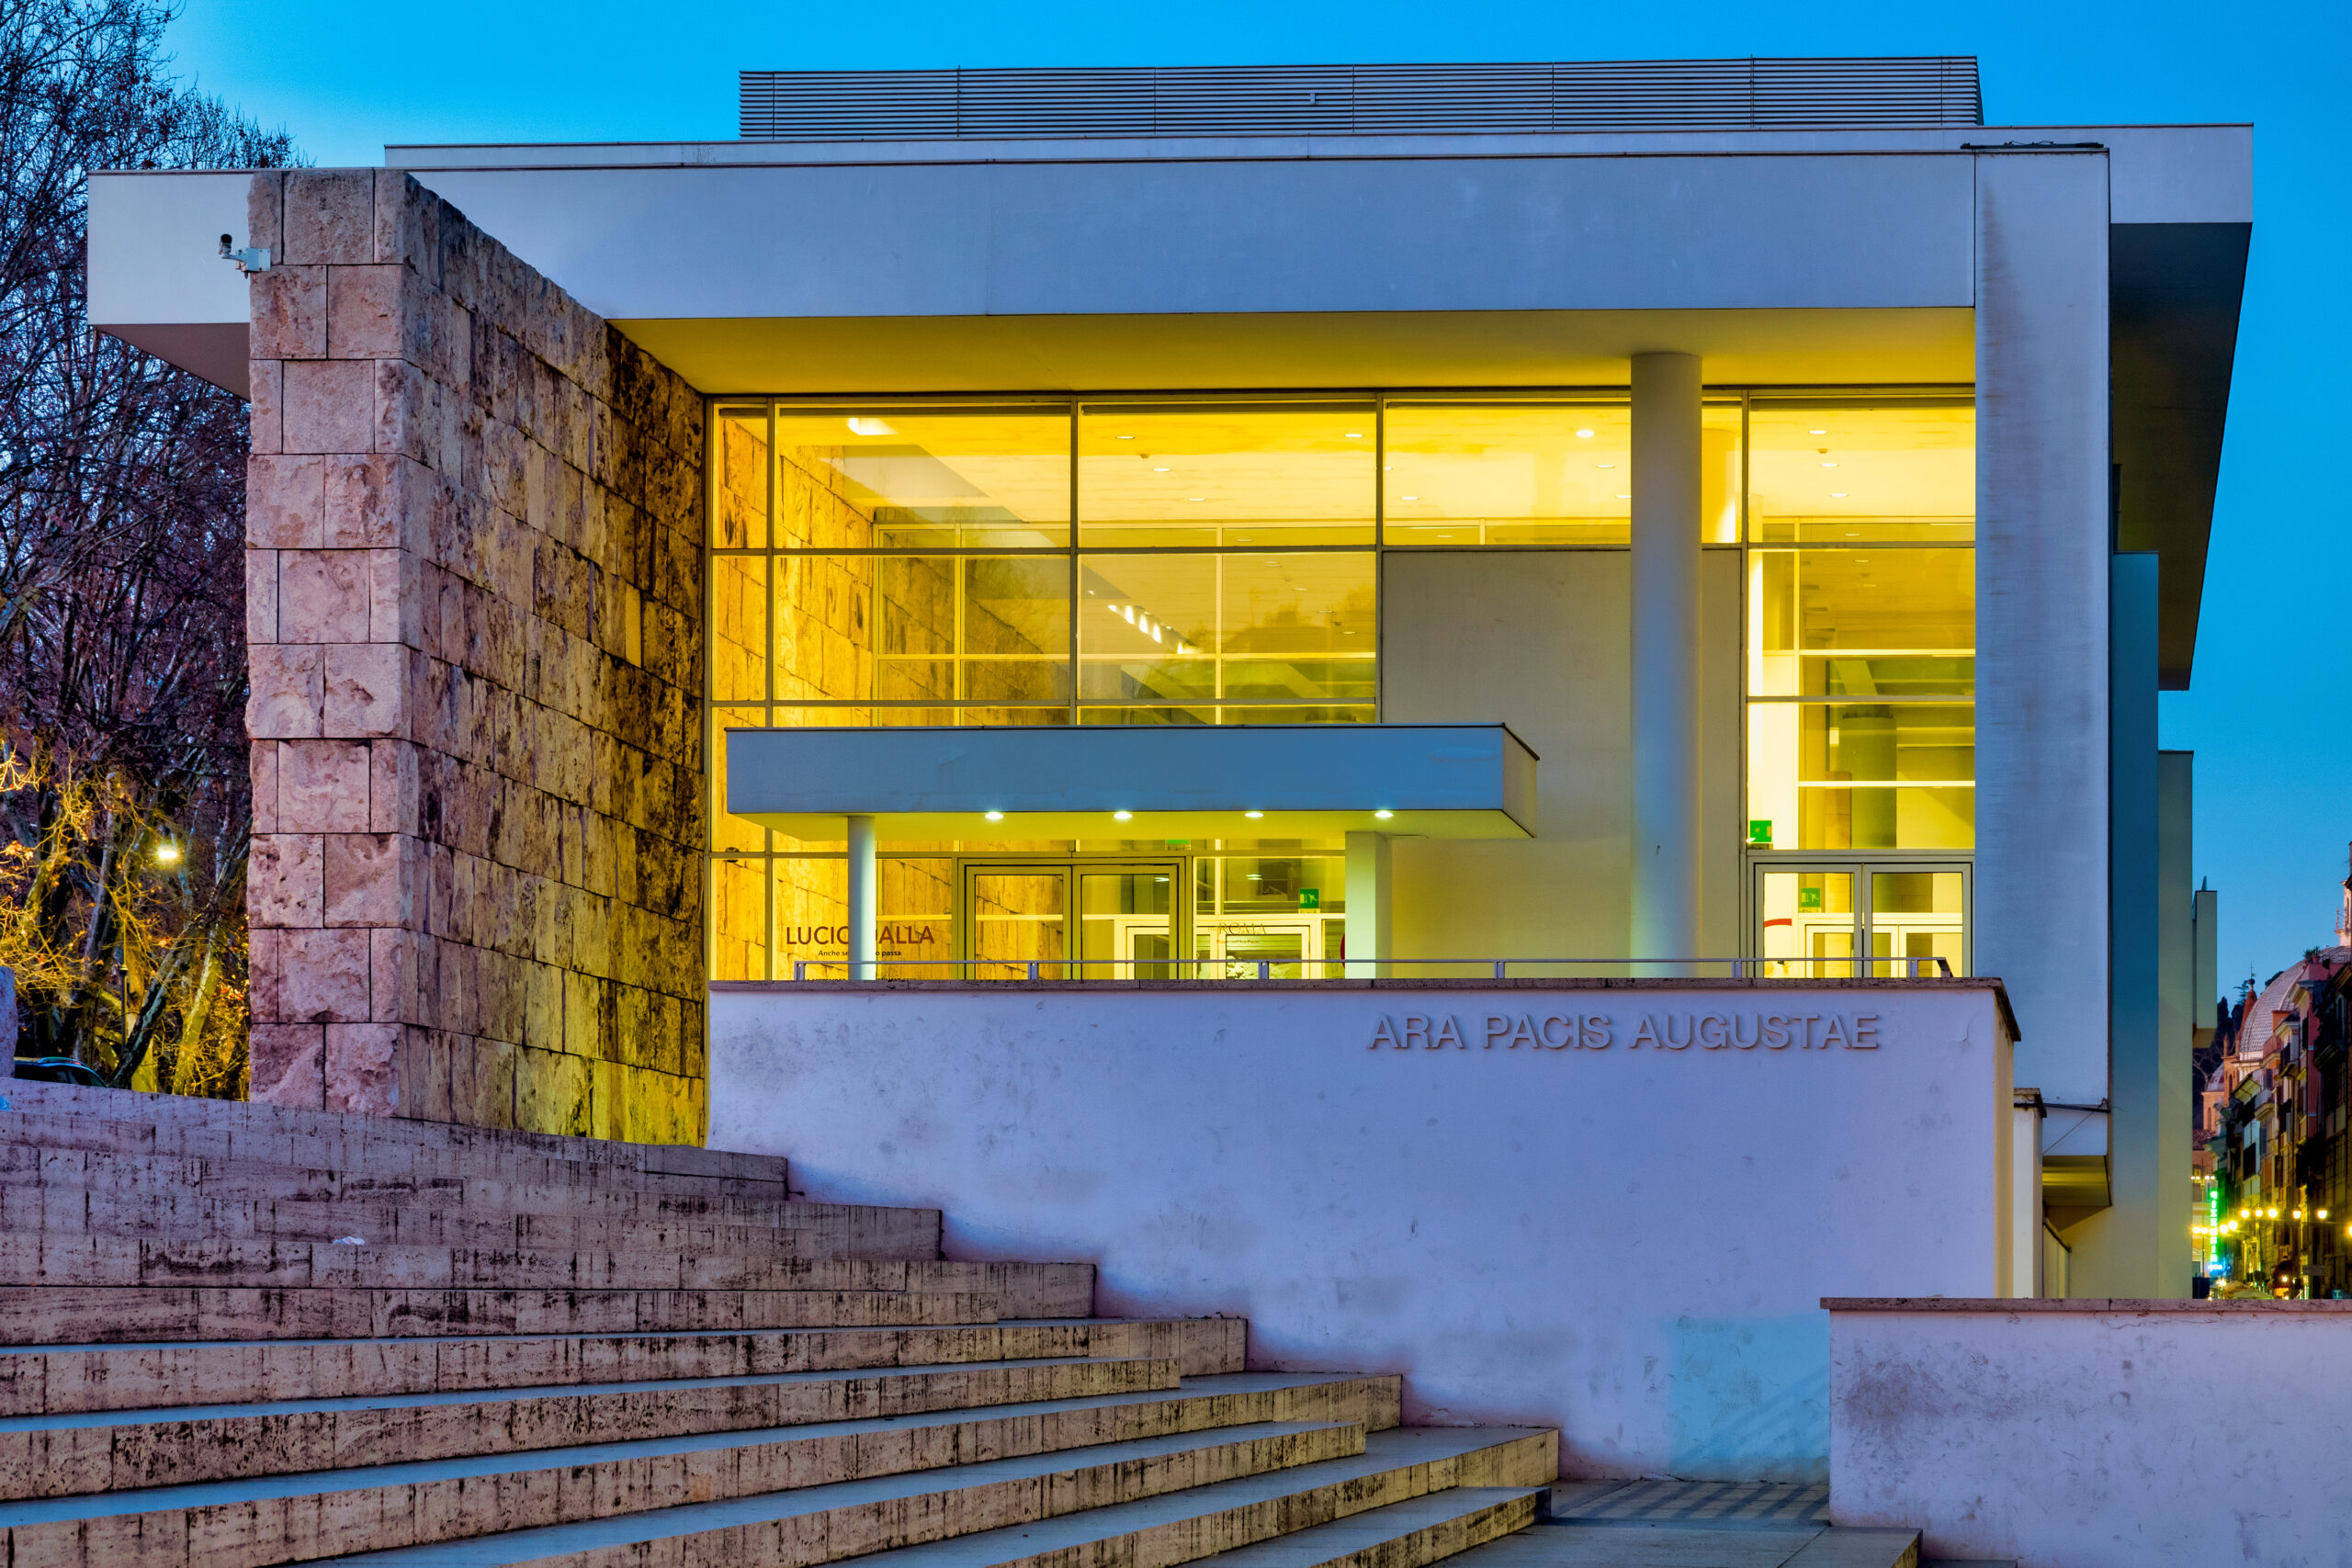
x=1541, y=640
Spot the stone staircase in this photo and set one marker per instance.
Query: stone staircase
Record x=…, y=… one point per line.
x=238, y=1336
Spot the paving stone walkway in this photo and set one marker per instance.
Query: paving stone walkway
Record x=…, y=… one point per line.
x=1683, y=1524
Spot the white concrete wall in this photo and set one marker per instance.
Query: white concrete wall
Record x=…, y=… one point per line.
x=157, y=278
x=2041, y=609
x=2177, y=1436
x=1185, y=236
x=1628, y=1243
x=1542, y=637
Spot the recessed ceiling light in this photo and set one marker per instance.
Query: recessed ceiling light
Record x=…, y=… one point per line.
x=1627, y=497
x=1604, y=465
x=1837, y=495
x=1196, y=498
x=1584, y=435
x=1159, y=471
x=1253, y=816
x=1126, y=438
x=1412, y=498
x=1355, y=434
x=1383, y=814
x=996, y=815
x=1817, y=433
x=1123, y=816
x=1828, y=464
x=859, y=425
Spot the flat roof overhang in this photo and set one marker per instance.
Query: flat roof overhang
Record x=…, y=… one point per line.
x=1440, y=780
x=2174, y=294
x=1238, y=263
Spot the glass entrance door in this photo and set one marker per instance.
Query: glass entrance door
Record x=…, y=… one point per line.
x=1128, y=917
x=1832, y=921
x=1810, y=923
x=1014, y=916
x=1918, y=915
x=1074, y=918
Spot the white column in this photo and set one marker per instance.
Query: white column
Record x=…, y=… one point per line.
x=1368, y=908
x=1665, y=656
x=861, y=897
x=2025, y=1195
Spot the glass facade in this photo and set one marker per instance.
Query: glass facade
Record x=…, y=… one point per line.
x=1196, y=560
x=1862, y=626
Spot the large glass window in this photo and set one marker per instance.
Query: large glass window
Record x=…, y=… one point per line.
x=1535, y=471
x=1182, y=560
x=1231, y=637
x=1862, y=626
x=1209, y=475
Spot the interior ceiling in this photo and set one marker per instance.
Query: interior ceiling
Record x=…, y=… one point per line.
x=1313, y=461
x=1471, y=348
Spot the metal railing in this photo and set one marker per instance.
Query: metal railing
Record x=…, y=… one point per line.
x=1521, y=96
x=1252, y=970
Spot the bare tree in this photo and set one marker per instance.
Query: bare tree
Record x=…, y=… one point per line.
x=125, y=807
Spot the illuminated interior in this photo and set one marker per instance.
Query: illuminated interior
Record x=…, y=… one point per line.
x=1860, y=604
x=1202, y=561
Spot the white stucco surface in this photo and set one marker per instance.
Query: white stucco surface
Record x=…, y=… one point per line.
x=2067, y=1437
x=1629, y=1243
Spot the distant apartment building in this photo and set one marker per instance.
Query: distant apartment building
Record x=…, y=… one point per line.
x=2277, y=1214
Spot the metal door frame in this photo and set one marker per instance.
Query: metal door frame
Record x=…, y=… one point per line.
x=1861, y=865
x=1070, y=867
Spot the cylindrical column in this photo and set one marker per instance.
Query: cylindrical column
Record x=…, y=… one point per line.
x=1367, y=927
x=862, y=884
x=1665, y=656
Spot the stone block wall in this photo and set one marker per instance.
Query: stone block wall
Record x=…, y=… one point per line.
x=474, y=589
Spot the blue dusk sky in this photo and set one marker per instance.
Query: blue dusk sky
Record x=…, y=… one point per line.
x=2274, y=763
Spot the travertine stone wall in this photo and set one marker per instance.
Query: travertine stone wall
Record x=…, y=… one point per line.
x=474, y=587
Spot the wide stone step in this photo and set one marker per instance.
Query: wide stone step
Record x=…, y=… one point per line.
x=439, y=1217
x=131, y=1314
x=1138, y=1520
x=53, y=1456
x=1026, y=1290
x=41, y=1112
x=1421, y=1530
x=1401, y=1535
x=103, y=1162
x=1127, y=1446
x=53, y=1380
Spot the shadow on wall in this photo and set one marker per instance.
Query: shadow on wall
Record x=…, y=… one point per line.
x=1750, y=1398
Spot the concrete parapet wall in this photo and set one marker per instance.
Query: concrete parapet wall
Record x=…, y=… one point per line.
x=1608, y=1206
x=2096, y=1434
x=474, y=594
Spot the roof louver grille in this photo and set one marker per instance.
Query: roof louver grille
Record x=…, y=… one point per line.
x=1362, y=101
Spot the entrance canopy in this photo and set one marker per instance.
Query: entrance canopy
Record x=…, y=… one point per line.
x=1136, y=782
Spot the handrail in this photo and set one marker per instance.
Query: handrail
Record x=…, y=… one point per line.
x=1354, y=968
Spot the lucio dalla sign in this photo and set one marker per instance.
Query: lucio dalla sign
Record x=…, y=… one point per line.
x=1649, y=1030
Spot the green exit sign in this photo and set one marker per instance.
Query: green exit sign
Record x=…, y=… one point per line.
x=1310, y=898
x=1760, y=832
x=1808, y=897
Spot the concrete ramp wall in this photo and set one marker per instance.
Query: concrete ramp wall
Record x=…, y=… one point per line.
x=1611, y=1208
